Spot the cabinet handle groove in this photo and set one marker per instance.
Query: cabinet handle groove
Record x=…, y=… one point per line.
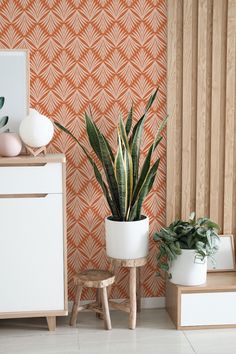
x=23, y=164
x=38, y=195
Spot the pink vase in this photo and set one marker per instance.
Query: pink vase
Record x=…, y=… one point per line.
x=10, y=144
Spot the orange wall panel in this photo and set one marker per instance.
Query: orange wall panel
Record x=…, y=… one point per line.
x=103, y=54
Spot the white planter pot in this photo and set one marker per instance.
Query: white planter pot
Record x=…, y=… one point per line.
x=127, y=239
x=187, y=270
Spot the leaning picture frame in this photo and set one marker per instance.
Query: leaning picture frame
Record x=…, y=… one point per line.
x=225, y=257
x=14, y=86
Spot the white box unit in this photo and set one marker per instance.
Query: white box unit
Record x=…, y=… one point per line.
x=206, y=306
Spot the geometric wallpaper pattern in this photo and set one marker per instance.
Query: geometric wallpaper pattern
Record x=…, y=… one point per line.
x=101, y=54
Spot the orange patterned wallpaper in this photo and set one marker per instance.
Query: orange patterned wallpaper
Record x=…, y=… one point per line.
x=103, y=53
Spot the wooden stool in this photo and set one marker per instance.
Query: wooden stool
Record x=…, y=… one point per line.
x=99, y=279
x=133, y=305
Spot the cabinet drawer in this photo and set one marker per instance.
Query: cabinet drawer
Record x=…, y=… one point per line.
x=31, y=179
x=213, y=308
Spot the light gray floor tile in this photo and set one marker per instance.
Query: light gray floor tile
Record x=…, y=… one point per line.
x=213, y=341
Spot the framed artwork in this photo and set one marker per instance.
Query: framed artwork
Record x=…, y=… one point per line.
x=14, y=86
x=225, y=257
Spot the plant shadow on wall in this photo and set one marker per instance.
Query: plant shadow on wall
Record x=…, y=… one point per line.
x=184, y=247
x=3, y=120
x=127, y=183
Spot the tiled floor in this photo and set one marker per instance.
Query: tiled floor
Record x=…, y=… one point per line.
x=155, y=334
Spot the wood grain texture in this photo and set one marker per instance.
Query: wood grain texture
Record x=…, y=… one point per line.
x=133, y=299
x=218, y=109
x=51, y=321
x=174, y=109
x=205, y=75
x=204, y=58
x=230, y=126
x=189, y=107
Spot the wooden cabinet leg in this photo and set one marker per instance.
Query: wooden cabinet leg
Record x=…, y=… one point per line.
x=105, y=306
x=132, y=296
x=138, y=290
x=74, y=313
x=51, y=321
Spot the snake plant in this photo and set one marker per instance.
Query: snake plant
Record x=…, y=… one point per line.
x=3, y=120
x=200, y=235
x=127, y=183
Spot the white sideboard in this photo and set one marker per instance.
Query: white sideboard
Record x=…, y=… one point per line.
x=33, y=273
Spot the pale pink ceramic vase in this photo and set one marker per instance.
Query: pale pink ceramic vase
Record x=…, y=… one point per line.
x=10, y=144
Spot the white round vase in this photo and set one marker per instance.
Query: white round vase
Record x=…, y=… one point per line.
x=188, y=270
x=127, y=239
x=36, y=130
x=10, y=144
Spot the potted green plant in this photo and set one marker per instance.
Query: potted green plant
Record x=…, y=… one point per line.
x=184, y=247
x=127, y=183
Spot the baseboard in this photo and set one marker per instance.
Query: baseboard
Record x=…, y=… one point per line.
x=146, y=302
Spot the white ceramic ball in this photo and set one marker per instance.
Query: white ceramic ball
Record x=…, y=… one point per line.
x=36, y=130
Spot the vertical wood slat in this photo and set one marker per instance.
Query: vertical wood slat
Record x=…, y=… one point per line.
x=218, y=110
x=230, y=126
x=174, y=109
x=203, y=106
x=210, y=165
x=189, y=106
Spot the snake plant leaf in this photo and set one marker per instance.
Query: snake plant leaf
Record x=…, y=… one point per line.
x=145, y=169
x=135, y=140
x=2, y=100
x=129, y=168
x=3, y=121
x=122, y=133
x=109, y=148
x=108, y=167
x=97, y=173
x=93, y=136
x=149, y=104
x=147, y=161
x=121, y=178
x=129, y=121
x=135, y=213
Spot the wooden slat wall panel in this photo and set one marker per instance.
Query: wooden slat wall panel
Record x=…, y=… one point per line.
x=201, y=161
x=230, y=123
x=189, y=105
x=218, y=109
x=203, y=106
x=174, y=103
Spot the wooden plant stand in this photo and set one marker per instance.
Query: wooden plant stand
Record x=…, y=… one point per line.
x=133, y=305
x=99, y=279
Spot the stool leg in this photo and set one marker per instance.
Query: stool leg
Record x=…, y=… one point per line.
x=74, y=313
x=105, y=306
x=138, y=291
x=99, y=303
x=132, y=296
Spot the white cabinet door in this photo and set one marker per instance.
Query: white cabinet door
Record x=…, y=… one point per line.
x=214, y=308
x=31, y=254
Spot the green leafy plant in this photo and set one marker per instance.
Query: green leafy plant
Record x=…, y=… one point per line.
x=200, y=235
x=127, y=184
x=3, y=120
